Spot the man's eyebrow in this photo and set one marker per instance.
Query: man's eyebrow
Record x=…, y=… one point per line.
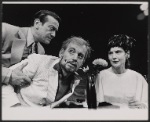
x=53, y=27
x=82, y=54
x=71, y=48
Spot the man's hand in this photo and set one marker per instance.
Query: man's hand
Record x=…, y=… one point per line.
x=18, y=78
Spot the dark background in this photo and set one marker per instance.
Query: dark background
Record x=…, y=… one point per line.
x=94, y=22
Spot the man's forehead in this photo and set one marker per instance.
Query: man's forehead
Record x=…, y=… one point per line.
x=77, y=46
x=52, y=20
x=74, y=43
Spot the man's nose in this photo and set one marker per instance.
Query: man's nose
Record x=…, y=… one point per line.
x=75, y=56
x=53, y=33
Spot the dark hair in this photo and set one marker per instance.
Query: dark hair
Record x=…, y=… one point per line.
x=42, y=16
x=123, y=41
x=80, y=41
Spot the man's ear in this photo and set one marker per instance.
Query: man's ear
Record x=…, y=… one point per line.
x=37, y=23
x=61, y=52
x=128, y=54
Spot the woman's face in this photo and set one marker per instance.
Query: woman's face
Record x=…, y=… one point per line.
x=117, y=57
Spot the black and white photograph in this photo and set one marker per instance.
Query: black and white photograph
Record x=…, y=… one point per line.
x=74, y=60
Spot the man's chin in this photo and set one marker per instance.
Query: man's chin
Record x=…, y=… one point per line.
x=47, y=41
x=71, y=70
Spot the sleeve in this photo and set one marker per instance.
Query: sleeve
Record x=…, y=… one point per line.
x=33, y=61
x=3, y=32
x=6, y=73
x=99, y=88
x=144, y=97
x=142, y=90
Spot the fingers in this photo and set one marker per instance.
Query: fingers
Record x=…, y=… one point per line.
x=22, y=66
x=133, y=102
x=27, y=79
x=17, y=76
x=133, y=105
x=21, y=81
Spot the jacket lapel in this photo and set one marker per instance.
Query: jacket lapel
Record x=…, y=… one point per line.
x=17, y=48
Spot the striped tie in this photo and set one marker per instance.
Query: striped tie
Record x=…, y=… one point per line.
x=34, y=48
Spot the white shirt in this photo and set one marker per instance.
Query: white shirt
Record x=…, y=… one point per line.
x=119, y=88
x=44, y=84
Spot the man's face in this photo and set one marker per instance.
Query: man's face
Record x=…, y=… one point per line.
x=73, y=57
x=117, y=57
x=47, y=31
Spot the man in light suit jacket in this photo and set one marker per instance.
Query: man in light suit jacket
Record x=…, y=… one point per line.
x=18, y=43
x=53, y=79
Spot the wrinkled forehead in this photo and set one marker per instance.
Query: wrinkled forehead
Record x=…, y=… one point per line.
x=77, y=42
x=79, y=46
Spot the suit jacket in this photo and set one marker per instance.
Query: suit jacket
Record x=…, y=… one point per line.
x=13, y=43
x=43, y=89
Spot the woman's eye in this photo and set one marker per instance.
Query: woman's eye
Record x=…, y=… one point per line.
x=118, y=51
x=109, y=53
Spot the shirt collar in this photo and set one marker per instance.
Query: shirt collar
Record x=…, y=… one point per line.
x=30, y=38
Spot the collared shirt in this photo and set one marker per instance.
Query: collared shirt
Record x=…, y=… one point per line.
x=69, y=80
x=28, y=47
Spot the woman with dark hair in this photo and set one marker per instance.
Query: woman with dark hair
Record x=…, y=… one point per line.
x=118, y=84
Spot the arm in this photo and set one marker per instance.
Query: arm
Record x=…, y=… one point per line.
x=23, y=72
x=144, y=98
x=6, y=73
x=99, y=89
x=141, y=99
x=3, y=32
x=16, y=76
x=34, y=61
x=6, y=43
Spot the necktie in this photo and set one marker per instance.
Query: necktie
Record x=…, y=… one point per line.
x=34, y=48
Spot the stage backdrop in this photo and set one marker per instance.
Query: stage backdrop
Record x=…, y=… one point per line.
x=94, y=22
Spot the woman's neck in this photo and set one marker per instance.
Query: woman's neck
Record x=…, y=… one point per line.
x=119, y=70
